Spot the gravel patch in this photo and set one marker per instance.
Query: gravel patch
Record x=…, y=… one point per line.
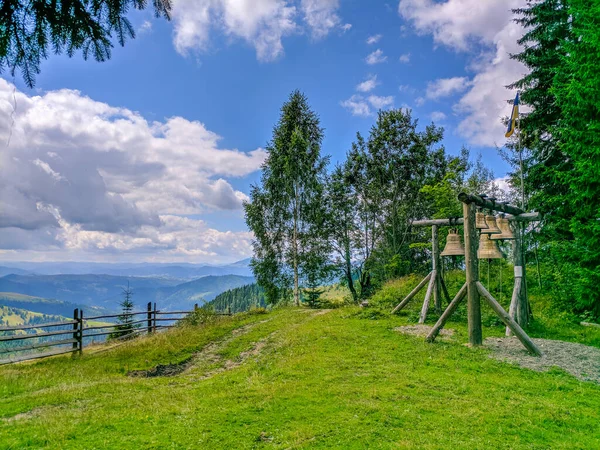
x=581, y=361
x=423, y=331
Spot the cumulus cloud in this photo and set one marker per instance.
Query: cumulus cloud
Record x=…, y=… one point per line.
x=490, y=25
x=346, y=27
x=444, y=87
x=374, y=39
x=437, y=116
x=376, y=57
x=78, y=170
x=359, y=105
x=368, y=85
x=260, y=23
x=405, y=58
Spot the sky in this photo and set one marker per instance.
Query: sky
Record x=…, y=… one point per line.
x=149, y=156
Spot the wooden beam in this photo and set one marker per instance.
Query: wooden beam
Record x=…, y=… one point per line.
x=446, y=315
x=435, y=261
x=414, y=292
x=508, y=321
x=525, y=217
x=514, y=302
x=445, y=289
x=430, y=288
x=472, y=272
x=489, y=204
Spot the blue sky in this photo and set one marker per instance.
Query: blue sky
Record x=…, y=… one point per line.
x=165, y=138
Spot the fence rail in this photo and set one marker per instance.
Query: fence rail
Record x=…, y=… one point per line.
x=78, y=332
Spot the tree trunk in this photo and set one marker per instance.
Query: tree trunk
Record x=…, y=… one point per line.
x=349, y=276
x=295, y=246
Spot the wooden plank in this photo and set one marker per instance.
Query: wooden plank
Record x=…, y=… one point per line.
x=414, y=292
x=430, y=289
x=33, y=336
x=439, y=222
x=508, y=321
x=446, y=315
x=445, y=289
x=34, y=346
x=111, y=316
x=36, y=356
x=41, y=325
x=173, y=312
x=472, y=272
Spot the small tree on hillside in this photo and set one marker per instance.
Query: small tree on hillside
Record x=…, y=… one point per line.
x=125, y=319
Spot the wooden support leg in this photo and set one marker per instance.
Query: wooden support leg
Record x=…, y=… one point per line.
x=430, y=289
x=414, y=292
x=449, y=311
x=508, y=321
x=514, y=302
x=445, y=289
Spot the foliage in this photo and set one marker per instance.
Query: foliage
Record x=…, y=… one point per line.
x=29, y=30
x=125, y=319
x=200, y=316
x=286, y=212
x=361, y=381
x=239, y=299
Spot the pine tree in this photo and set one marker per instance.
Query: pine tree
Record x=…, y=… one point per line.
x=29, y=29
x=286, y=211
x=125, y=319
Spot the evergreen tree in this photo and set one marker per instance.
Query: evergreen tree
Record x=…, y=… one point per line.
x=28, y=29
x=125, y=319
x=286, y=212
x=577, y=93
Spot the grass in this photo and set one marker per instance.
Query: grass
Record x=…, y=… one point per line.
x=343, y=379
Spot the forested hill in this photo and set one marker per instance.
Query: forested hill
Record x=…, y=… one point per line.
x=239, y=299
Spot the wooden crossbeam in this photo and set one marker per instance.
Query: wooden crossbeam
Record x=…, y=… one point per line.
x=446, y=315
x=414, y=292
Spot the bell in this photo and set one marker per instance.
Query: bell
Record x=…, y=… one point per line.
x=507, y=232
x=480, y=221
x=488, y=249
x=492, y=227
x=453, y=245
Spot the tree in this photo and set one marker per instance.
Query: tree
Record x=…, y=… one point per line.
x=125, y=319
x=577, y=94
x=29, y=30
x=286, y=212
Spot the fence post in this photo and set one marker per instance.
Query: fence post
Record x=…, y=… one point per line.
x=154, y=324
x=75, y=328
x=195, y=306
x=80, y=332
x=229, y=309
x=149, y=324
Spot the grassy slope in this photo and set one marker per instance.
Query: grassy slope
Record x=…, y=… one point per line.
x=337, y=380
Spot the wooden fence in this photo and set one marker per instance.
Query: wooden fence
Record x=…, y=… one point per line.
x=151, y=321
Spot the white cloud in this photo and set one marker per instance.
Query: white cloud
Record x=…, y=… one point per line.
x=81, y=174
x=437, y=116
x=374, y=39
x=357, y=105
x=378, y=102
x=444, y=87
x=346, y=27
x=145, y=27
x=320, y=15
x=368, y=85
x=405, y=58
x=260, y=23
x=376, y=57
x=489, y=24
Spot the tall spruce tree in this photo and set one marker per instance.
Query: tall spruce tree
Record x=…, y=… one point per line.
x=577, y=93
x=286, y=212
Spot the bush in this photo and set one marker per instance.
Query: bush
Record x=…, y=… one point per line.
x=200, y=316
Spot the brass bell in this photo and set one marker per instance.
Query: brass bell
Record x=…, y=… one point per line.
x=492, y=227
x=453, y=245
x=507, y=232
x=488, y=249
x=480, y=221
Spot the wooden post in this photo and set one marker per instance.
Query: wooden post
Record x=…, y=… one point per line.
x=446, y=315
x=229, y=309
x=80, y=332
x=472, y=272
x=435, y=256
x=195, y=306
x=75, y=328
x=414, y=292
x=149, y=324
x=425, y=307
x=523, y=309
x=445, y=289
x=508, y=321
x=154, y=321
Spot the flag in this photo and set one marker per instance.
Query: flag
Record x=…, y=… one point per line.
x=513, y=117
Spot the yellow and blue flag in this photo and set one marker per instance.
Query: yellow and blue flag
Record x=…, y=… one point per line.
x=513, y=117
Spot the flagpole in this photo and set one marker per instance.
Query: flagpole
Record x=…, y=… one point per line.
x=520, y=149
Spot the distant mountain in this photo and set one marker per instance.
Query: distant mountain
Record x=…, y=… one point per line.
x=46, y=306
x=181, y=271
x=104, y=292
